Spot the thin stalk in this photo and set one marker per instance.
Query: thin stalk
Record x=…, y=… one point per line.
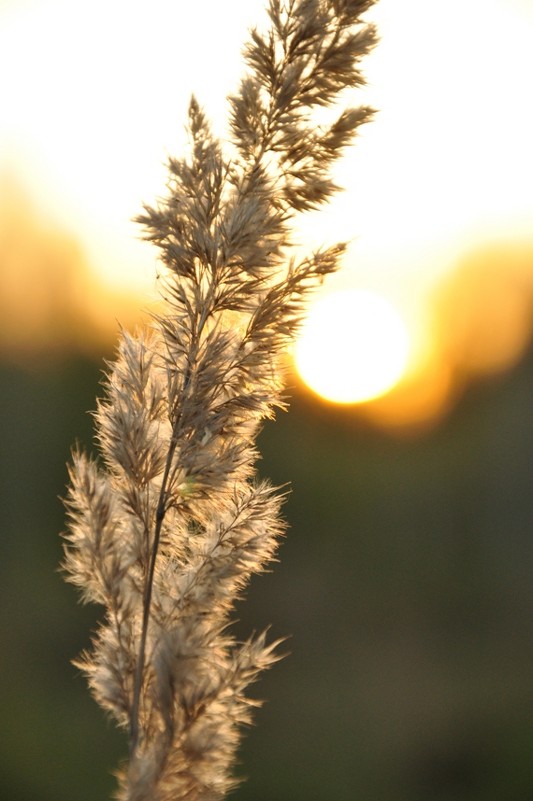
x=149, y=583
x=147, y=602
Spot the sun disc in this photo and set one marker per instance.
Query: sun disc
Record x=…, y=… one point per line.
x=353, y=347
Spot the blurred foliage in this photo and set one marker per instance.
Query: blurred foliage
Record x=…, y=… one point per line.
x=405, y=584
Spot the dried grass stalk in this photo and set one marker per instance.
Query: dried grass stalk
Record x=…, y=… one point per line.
x=166, y=529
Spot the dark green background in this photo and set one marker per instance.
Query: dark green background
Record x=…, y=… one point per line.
x=406, y=584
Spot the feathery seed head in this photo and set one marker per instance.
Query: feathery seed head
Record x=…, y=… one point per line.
x=166, y=532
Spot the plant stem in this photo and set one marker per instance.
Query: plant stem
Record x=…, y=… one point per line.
x=147, y=601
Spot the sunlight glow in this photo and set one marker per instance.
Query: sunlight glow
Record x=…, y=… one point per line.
x=96, y=99
x=353, y=347
x=97, y=95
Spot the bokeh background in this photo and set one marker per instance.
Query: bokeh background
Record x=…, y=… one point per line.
x=406, y=579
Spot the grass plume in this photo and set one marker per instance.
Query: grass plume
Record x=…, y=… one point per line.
x=168, y=526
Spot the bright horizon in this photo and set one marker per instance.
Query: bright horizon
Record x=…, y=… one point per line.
x=97, y=98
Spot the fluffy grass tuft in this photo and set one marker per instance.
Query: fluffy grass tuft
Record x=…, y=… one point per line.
x=168, y=526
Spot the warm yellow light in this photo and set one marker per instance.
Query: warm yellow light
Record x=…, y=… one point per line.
x=353, y=347
x=85, y=137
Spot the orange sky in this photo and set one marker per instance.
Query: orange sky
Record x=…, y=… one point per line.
x=438, y=201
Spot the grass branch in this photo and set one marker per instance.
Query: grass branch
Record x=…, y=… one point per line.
x=168, y=526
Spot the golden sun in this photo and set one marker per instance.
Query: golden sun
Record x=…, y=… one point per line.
x=353, y=347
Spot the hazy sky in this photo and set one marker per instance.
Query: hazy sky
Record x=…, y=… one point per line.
x=97, y=95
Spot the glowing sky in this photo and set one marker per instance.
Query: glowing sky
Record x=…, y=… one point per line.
x=97, y=93
x=93, y=97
